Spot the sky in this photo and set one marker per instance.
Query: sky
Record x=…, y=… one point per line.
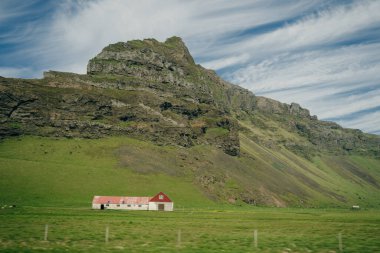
x=322, y=54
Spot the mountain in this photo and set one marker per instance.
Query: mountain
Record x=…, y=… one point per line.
x=232, y=145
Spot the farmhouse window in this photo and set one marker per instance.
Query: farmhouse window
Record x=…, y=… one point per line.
x=107, y=204
x=139, y=205
x=161, y=197
x=129, y=205
x=118, y=205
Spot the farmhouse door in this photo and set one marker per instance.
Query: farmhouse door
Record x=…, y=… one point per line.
x=161, y=207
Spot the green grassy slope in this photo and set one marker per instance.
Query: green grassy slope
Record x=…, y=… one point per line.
x=41, y=171
x=326, y=180
x=49, y=172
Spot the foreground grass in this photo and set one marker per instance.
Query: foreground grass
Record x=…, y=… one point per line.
x=202, y=230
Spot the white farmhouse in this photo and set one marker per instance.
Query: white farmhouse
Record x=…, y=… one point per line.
x=160, y=202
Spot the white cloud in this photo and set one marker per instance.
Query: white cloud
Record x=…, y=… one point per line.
x=369, y=122
x=317, y=30
x=337, y=107
x=8, y=10
x=229, y=61
x=345, y=66
x=16, y=72
x=77, y=33
x=331, y=83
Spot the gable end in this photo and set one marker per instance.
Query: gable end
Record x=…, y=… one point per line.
x=160, y=197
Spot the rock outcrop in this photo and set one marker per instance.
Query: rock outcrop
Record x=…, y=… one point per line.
x=155, y=91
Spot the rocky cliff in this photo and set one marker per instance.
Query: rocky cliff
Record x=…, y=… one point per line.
x=155, y=92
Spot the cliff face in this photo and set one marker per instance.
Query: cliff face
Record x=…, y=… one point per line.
x=155, y=91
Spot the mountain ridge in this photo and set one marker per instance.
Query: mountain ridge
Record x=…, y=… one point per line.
x=154, y=91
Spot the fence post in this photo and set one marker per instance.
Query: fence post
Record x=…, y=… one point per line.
x=46, y=232
x=340, y=242
x=179, y=238
x=107, y=234
x=255, y=238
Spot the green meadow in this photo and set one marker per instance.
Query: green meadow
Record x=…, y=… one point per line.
x=189, y=230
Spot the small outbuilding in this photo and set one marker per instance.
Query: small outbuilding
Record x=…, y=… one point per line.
x=160, y=202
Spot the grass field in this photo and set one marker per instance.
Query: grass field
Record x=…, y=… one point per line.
x=202, y=230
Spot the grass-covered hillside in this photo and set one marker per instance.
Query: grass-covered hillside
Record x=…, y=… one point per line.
x=69, y=172
x=45, y=171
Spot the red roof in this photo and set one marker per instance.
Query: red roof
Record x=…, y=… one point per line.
x=160, y=197
x=121, y=200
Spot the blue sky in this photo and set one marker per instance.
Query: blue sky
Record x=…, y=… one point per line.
x=324, y=55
